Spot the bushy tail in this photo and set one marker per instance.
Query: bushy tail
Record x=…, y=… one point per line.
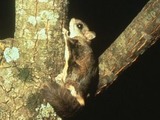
x=65, y=105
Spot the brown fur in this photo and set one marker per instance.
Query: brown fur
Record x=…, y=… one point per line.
x=80, y=72
x=62, y=101
x=83, y=64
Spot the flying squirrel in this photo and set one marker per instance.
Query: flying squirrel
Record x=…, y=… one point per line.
x=71, y=89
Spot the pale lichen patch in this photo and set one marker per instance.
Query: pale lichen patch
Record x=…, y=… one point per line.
x=41, y=34
x=11, y=54
x=45, y=111
x=49, y=15
x=34, y=20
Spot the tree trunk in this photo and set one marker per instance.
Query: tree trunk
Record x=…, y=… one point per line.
x=35, y=55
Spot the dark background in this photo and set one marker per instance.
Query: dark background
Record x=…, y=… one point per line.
x=135, y=94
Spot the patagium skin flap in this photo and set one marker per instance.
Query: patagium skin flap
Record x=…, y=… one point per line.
x=70, y=90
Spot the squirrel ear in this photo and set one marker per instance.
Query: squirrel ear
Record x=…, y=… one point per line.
x=90, y=35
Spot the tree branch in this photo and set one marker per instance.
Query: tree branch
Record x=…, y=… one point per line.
x=142, y=32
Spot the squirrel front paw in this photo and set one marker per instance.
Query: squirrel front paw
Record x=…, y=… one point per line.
x=65, y=33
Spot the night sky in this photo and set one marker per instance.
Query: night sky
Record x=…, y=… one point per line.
x=135, y=94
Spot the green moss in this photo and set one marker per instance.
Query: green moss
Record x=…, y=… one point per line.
x=25, y=74
x=33, y=101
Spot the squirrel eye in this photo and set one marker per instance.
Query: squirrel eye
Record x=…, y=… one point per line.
x=80, y=26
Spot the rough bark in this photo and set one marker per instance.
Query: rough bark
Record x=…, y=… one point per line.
x=142, y=32
x=34, y=56
x=38, y=50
